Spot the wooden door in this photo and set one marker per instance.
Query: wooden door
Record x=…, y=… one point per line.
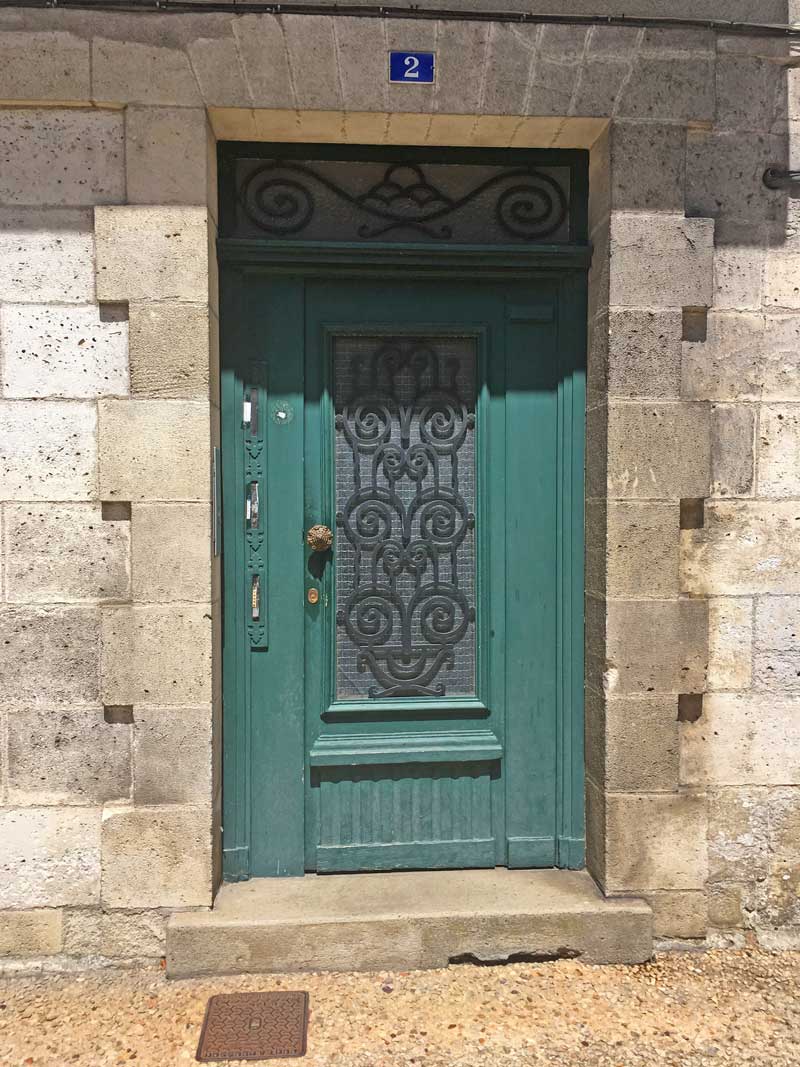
x=406, y=684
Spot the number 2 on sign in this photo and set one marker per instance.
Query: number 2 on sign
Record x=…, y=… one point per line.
x=412, y=67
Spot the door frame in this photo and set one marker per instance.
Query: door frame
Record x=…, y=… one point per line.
x=271, y=259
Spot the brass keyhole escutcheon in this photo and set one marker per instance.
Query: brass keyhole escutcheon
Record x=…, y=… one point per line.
x=319, y=538
x=313, y=596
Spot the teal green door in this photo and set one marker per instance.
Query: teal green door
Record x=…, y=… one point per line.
x=403, y=569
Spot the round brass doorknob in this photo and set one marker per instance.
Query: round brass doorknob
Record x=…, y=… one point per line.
x=319, y=538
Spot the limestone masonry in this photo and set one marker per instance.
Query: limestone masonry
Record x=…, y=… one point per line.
x=109, y=397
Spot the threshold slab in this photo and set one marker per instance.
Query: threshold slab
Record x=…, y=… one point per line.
x=406, y=920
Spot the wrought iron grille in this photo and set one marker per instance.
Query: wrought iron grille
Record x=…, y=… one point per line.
x=405, y=499
x=344, y=200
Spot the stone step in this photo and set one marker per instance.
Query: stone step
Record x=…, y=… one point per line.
x=406, y=920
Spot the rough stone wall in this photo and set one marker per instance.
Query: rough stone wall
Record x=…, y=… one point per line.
x=105, y=599
x=108, y=396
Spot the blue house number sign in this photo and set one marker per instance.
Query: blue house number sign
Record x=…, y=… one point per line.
x=412, y=68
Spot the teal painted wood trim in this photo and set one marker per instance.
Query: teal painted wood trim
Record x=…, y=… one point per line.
x=236, y=864
x=572, y=423
x=532, y=534
x=571, y=853
x=532, y=852
x=235, y=658
x=354, y=750
x=321, y=259
x=277, y=731
x=432, y=708
x=433, y=855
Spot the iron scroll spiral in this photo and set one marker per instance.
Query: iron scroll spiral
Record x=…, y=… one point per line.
x=526, y=203
x=404, y=609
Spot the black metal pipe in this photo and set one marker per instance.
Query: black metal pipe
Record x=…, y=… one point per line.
x=178, y=7
x=774, y=178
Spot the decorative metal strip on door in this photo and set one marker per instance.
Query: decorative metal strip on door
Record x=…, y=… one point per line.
x=405, y=513
x=344, y=200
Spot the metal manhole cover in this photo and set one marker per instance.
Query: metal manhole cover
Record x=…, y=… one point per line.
x=254, y=1026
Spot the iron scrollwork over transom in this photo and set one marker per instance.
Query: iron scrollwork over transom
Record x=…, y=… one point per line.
x=405, y=498
x=368, y=201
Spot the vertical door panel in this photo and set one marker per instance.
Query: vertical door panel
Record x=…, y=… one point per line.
x=404, y=745
x=531, y=430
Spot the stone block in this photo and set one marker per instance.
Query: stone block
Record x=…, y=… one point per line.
x=745, y=547
x=738, y=834
x=158, y=857
x=643, y=547
x=779, y=899
x=595, y=800
x=673, y=89
x=461, y=51
x=127, y=72
x=681, y=275
x=738, y=265
x=776, y=662
x=261, y=45
x=171, y=552
x=46, y=256
x=172, y=756
x=733, y=429
x=725, y=905
x=730, y=642
x=311, y=45
x=596, y=553
x=655, y=842
x=551, y=88
x=724, y=173
x=743, y=739
x=70, y=157
x=66, y=757
x=670, y=40
x=659, y=450
x=169, y=350
x=620, y=41
x=751, y=93
x=51, y=451
x=66, y=352
x=598, y=88
x=507, y=69
x=158, y=655
x=50, y=857
x=745, y=357
x=217, y=67
x=154, y=450
x=779, y=450
x=782, y=279
x=50, y=656
x=679, y=914
x=648, y=167
x=152, y=253
x=30, y=933
x=641, y=745
x=165, y=155
x=597, y=358
x=67, y=552
x=116, y=935
x=597, y=450
x=44, y=66
x=656, y=646
x=644, y=353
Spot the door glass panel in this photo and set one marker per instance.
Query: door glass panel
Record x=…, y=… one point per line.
x=405, y=479
x=344, y=200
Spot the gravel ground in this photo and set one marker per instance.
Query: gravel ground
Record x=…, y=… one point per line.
x=719, y=1007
